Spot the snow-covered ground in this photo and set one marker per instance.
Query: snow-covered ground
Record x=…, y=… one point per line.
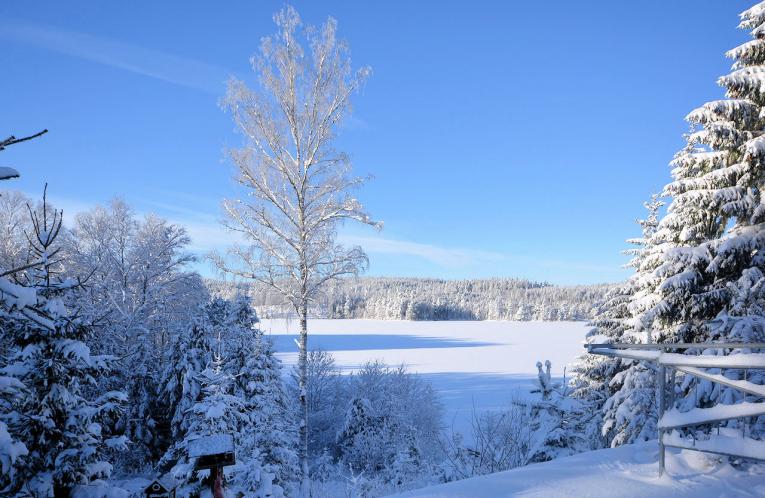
x=480, y=363
x=624, y=472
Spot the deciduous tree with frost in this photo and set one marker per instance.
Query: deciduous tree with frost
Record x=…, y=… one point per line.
x=139, y=289
x=298, y=186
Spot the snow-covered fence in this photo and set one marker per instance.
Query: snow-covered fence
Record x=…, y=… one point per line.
x=669, y=363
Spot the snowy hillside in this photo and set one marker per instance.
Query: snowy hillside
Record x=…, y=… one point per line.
x=624, y=472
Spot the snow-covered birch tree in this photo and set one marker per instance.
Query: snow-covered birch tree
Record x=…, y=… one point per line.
x=298, y=185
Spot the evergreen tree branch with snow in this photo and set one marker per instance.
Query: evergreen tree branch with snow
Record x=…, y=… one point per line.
x=60, y=419
x=700, y=269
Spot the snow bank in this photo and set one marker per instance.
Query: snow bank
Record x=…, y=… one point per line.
x=624, y=472
x=98, y=490
x=729, y=442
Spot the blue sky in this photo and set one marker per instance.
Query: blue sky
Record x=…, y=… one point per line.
x=506, y=138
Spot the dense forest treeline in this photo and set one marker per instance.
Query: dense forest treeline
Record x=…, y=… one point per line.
x=391, y=298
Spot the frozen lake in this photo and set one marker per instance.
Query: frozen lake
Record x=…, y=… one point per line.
x=481, y=364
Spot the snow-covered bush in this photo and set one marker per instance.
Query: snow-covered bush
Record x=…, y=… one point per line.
x=499, y=440
x=378, y=427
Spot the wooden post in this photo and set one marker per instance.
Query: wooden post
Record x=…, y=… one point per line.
x=662, y=393
x=216, y=486
x=61, y=491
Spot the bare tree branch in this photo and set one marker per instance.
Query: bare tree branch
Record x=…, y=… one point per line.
x=13, y=140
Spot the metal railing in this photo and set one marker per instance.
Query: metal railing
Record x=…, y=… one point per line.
x=669, y=363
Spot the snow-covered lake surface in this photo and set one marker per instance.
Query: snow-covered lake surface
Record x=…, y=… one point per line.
x=483, y=364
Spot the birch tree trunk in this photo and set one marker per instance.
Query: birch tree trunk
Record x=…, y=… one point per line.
x=303, y=386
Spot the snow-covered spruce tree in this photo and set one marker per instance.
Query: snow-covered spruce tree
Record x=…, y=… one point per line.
x=191, y=352
x=716, y=215
x=556, y=420
x=591, y=374
x=217, y=411
x=362, y=439
x=597, y=378
x=629, y=414
x=269, y=435
x=13, y=220
x=299, y=186
x=392, y=424
x=232, y=320
x=58, y=418
x=271, y=427
x=708, y=284
x=12, y=298
x=10, y=448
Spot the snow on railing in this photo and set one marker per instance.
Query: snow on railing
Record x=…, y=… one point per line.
x=669, y=420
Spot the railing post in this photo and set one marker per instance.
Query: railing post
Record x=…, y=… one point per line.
x=665, y=384
x=662, y=401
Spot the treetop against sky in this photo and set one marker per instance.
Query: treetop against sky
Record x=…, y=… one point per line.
x=505, y=138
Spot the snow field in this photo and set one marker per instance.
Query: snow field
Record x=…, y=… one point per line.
x=629, y=471
x=481, y=364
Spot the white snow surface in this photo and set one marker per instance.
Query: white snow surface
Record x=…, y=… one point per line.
x=728, y=441
x=471, y=363
x=675, y=418
x=730, y=361
x=99, y=490
x=211, y=445
x=624, y=472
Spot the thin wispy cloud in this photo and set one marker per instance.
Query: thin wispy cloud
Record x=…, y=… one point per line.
x=109, y=52
x=208, y=234
x=442, y=256
x=464, y=258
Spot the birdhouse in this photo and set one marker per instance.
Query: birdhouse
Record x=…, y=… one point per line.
x=212, y=452
x=161, y=488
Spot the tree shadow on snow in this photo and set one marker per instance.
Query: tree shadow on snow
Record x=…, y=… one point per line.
x=285, y=343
